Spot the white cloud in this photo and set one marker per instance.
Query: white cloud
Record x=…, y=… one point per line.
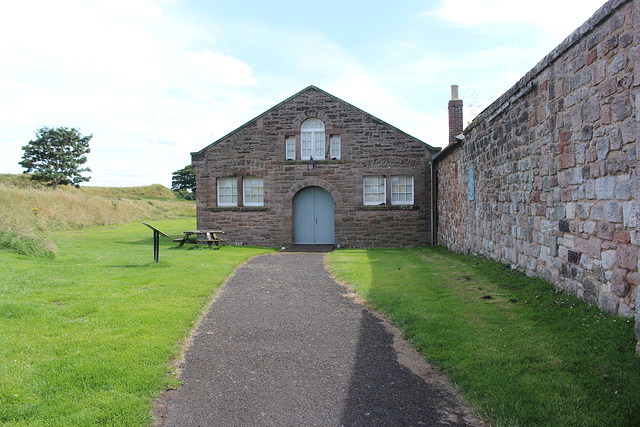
x=207, y=69
x=553, y=15
x=122, y=71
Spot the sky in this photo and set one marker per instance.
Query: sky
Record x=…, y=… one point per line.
x=154, y=80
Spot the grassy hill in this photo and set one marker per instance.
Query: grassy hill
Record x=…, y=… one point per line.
x=29, y=210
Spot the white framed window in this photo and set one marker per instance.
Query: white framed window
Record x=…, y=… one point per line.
x=312, y=140
x=253, y=192
x=290, y=147
x=227, y=191
x=402, y=190
x=334, y=147
x=374, y=190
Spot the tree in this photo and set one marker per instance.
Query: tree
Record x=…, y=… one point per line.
x=184, y=182
x=55, y=156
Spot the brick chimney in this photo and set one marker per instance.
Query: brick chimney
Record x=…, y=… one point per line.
x=455, y=115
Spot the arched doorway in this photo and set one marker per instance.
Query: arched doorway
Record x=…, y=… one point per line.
x=313, y=217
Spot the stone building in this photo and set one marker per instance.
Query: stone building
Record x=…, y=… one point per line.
x=546, y=178
x=316, y=170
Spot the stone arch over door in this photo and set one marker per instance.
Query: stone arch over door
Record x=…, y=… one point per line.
x=313, y=217
x=314, y=182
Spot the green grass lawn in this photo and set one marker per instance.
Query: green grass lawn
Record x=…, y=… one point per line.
x=87, y=336
x=521, y=353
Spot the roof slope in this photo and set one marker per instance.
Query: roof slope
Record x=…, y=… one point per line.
x=317, y=89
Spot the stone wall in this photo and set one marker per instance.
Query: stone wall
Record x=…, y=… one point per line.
x=553, y=165
x=369, y=147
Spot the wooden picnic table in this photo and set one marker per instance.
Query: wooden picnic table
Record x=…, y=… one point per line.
x=210, y=237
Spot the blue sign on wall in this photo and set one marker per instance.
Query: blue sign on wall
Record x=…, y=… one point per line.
x=471, y=184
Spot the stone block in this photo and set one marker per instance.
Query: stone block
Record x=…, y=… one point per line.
x=551, y=242
x=623, y=191
x=633, y=278
x=577, y=273
x=576, y=96
x=622, y=236
x=609, y=303
x=581, y=153
x=615, y=137
x=547, y=227
x=618, y=64
x=599, y=72
x=627, y=256
x=617, y=164
x=605, y=188
x=581, y=245
x=589, y=227
x=591, y=111
x=587, y=262
x=608, y=259
x=630, y=212
x=591, y=291
x=590, y=189
x=625, y=310
x=573, y=257
x=606, y=231
x=557, y=213
x=572, y=286
x=629, y=130
x=619, y=284
x=598, y=212
x=605, y=114
x=595, y=247
x=614, y=212
x=603, y=146
x=635, y=238
x=621, y=108
x=577, y=175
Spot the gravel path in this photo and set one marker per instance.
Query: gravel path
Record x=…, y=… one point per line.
x=283, y=345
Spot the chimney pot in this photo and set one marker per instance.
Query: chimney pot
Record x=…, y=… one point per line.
x=454, y=92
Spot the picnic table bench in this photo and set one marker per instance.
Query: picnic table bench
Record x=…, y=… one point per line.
x=210, y=237
x=202, y=236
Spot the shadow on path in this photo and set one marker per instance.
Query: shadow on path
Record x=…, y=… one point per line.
x=391, y=385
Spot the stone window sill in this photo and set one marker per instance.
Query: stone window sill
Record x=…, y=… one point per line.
x=238, y=209
x=315, y=162
x=388, y=208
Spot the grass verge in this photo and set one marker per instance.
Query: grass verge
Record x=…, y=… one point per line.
x=29, y=212
x=521, y=353
x=86, y=336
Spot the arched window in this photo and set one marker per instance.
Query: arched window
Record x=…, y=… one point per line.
x=312, y=140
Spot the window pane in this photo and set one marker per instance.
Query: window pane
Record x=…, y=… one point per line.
x=313, y=125
x=253, y=191
x=227, y=192
x=402, y=190
x=334, y=147
x=306, y=148
x=318, y=140
x=374, y=190
x=290, y=143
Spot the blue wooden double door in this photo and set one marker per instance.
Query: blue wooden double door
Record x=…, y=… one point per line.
x=313, y=217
